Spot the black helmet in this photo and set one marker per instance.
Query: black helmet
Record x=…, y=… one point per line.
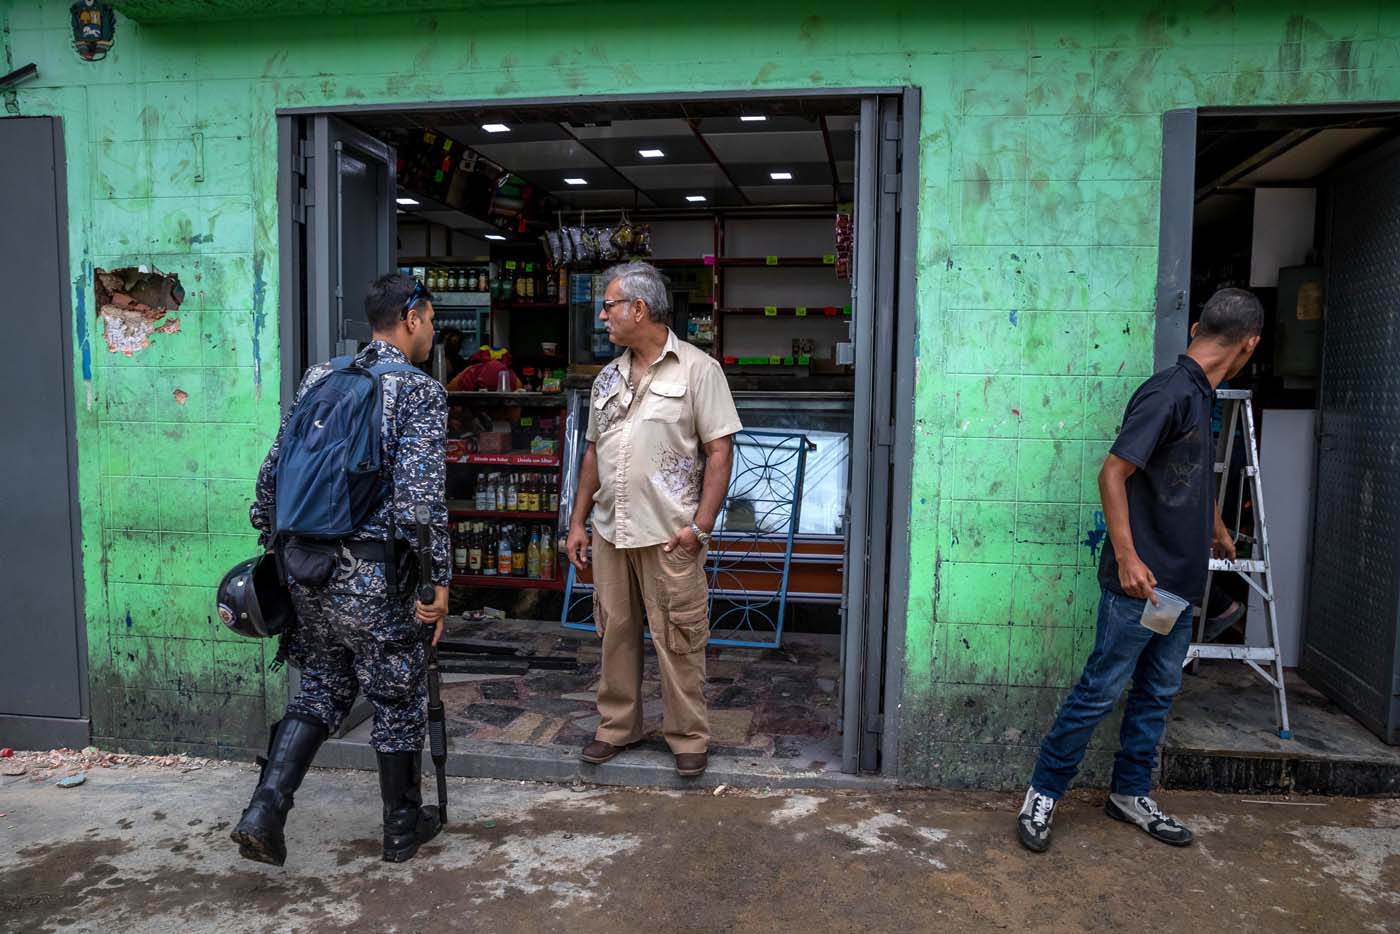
x=253, y=600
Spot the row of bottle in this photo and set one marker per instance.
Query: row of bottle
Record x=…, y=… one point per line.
x=442, y=279
x=528, y=492
x=501, y=550
x=525, y=282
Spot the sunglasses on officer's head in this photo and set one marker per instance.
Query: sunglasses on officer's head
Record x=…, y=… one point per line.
x=413, y=299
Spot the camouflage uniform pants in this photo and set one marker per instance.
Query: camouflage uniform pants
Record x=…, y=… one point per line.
x=346, y=643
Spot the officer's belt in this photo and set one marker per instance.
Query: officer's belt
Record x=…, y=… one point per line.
x=380, y=552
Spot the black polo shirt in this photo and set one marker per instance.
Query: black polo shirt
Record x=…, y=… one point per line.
x=1171, y=496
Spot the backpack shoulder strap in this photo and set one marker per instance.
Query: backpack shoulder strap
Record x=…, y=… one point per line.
x=379, y=369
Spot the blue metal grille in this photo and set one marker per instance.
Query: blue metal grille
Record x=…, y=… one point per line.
x=753, y=538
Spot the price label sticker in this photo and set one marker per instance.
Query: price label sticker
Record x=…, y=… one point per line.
x=510, y=264
x=801, y=311
x=770, y=311
x=775, y=361
x=529, y=267
x=829, y=311
x=527, y=422
x=846, y=309
x=828, y=259
x=804, y=360
x=708, y=259
x=770, y=260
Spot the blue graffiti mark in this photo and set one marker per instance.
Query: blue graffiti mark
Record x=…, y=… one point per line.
x=200, y=238
x=129, y=623
x=80, y=296
x=259, y=318
x=1096, y=536
x=1013, y=317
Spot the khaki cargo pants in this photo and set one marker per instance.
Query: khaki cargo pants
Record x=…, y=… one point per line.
x=673, y=591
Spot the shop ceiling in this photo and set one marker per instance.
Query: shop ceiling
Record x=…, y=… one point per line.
x=696, y=155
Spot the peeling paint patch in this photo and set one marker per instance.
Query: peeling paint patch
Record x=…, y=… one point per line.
x=132, y=305
x=84, y=345
x=1012, y=316
x=259, y=319
x=181, y=397
x=1094, y=540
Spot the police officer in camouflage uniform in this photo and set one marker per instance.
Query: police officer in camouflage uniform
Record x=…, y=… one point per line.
x=360, y=632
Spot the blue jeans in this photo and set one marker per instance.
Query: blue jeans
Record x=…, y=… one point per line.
x=1123, y=649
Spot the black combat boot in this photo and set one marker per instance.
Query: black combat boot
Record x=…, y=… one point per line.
x=293, y=745
x=407, y=823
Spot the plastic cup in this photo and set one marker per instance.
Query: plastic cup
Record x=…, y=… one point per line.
x=1162, y=617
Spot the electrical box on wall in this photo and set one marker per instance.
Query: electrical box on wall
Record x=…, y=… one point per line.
x=1298, y=345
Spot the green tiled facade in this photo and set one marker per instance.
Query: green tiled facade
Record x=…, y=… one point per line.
x=1037, y=253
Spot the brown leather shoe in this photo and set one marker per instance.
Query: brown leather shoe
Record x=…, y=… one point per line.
x=691, y=764
x=598, y=752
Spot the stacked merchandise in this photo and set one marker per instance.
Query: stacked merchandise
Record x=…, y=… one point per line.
x=498, y=549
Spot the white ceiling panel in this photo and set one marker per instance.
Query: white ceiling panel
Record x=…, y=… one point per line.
x=545, y=154
x=632, y=129
x=790, y=194
x=768, y=147
x=675, y=176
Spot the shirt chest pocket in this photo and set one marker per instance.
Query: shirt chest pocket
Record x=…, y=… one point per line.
x=665, y=402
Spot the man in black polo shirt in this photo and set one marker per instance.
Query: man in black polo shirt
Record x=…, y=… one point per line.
x=1158, y=491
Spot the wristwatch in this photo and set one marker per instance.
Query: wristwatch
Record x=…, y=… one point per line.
x=700, y=534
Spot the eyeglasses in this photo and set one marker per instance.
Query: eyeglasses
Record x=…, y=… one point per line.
x=608, y=303
x=413, y=299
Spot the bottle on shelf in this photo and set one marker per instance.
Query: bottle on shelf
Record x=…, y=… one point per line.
x=488, y=550
x=547, y=557
x=519, y=545
x=532, y=556
x=498, y=483
x=504, y=561
x=553, y=493
x=474, y=549
x=513, y=495
x=459, y=549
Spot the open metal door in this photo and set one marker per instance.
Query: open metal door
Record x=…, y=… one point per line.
x=1351, y=643
x=348, y=189
x=877, y=530
x=43, y=669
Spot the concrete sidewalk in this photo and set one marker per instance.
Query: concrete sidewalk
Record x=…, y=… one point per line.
x=146, y=849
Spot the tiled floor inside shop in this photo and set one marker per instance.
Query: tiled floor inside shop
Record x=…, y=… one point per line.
x=778, y=705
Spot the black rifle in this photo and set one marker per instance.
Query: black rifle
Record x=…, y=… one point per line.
x=437, y=718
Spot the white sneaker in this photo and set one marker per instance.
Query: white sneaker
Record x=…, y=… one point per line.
x=1144, y=812
x=1033, y=823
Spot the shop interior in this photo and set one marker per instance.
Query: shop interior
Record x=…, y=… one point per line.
x=1268, y=218
x=510, y=217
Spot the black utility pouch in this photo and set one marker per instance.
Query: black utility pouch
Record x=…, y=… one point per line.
x=310, y=564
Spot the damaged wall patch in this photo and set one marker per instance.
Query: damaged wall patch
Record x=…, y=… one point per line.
x=133, y=305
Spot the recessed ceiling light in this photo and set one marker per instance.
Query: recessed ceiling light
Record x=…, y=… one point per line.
x=494, y=237
x=576, y=181
x=695, y=197
x=780, y=176
x=650, y=153
x=753, y=118
x=495, y=128
x=408, y=201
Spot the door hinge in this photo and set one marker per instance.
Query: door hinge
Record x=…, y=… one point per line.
x=884, y=435
x=894, y=129
x=892, y=183
x=875, y=724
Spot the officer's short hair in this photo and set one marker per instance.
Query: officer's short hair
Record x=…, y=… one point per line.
x=384, y=303
x=1231, y=315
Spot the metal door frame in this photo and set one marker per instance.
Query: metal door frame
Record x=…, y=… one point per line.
x=872, y=648
x=74, y=732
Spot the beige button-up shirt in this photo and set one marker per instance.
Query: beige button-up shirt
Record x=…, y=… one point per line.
x=650, y=444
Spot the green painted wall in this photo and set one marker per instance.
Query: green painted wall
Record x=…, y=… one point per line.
x=1037, y=257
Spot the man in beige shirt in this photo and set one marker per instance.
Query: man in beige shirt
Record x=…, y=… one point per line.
x=660, y=421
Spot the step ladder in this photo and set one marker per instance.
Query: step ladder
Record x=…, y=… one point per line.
x=1255, y=570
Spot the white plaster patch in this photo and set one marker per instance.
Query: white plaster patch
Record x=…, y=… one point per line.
x=531, y=861
x=1359, y=868
x=873, y=836
x=794, y=809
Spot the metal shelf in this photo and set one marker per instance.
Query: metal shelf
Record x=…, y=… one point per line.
x=526, y=583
